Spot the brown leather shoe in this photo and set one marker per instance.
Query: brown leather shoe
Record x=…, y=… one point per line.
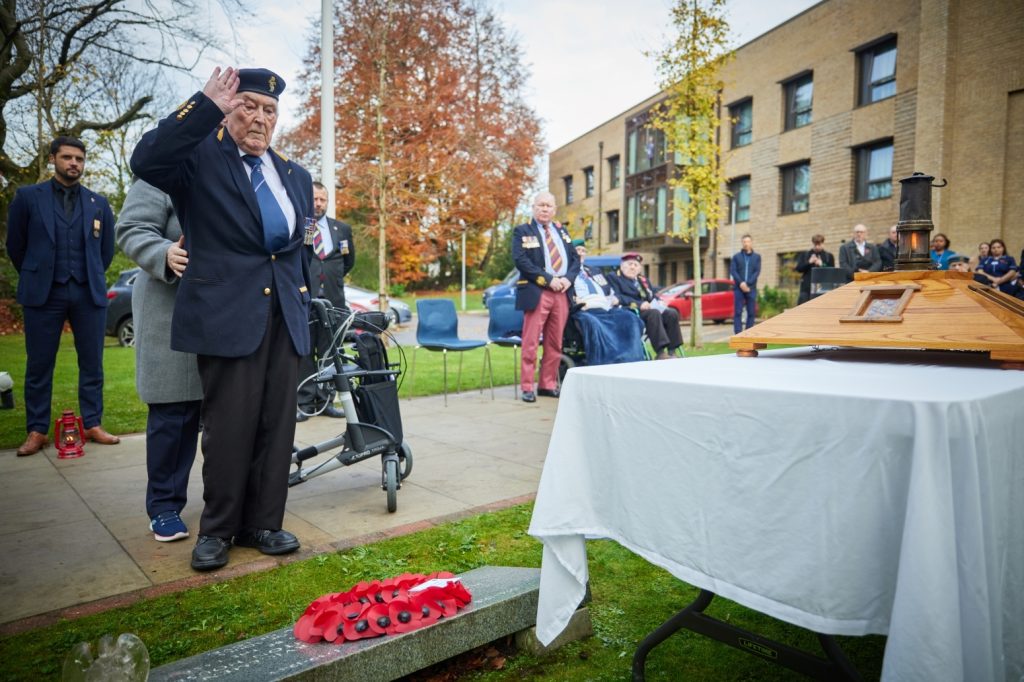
x=33, y=444
x=98, y=435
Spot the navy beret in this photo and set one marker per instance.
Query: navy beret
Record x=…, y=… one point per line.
x=262, y=81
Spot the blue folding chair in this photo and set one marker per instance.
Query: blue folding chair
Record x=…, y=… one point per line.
x=437, y=329
x=506, y=329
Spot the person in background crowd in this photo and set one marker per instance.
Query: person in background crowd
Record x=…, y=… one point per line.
x=940, y=253
x=859, y=255
x=744, y=269
x=332, y=255
x=60, y=237
x=999, y=268
x=636, y=293
x=887, y=251
x=243, y=304
x=611, y=334
x=167, y=381
x=548, y=265
x=815, y=257
x=981, y=255
x=959, y=264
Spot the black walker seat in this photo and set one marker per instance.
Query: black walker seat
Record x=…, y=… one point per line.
x=368, y=389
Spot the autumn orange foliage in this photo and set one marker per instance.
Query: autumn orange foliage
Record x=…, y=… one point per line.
x=432, y=133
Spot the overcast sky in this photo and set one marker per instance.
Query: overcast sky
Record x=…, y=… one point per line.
x=585, y=56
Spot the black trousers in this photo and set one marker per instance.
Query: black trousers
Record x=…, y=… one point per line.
x=172, y=432
x=662, y=328
x=312, y=397
x=248, y=431
x=44, y=325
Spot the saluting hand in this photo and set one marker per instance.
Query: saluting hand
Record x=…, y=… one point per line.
x=222, y=88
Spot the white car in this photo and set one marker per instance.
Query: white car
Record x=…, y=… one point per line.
x=363, y=300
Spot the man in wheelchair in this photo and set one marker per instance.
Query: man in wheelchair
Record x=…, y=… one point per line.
x=599, y=332
x=635, y=292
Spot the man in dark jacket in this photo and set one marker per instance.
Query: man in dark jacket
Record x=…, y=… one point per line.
x=331, y=256
x=636, y=293
x=744, y=269
x=887, y=251
x=815, y=257
x=859, y=255
x=548, y=265
x=60, y=237
x=243, y=302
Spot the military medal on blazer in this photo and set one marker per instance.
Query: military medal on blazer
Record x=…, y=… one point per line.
x=534, y=279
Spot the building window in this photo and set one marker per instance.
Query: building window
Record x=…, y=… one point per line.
x=646, y=149
x=877, y=72
x=588, y=182
x=567, y=180
x=645, y=213
x=613, y=171
x=742, y=115
x=874, y=171
x=740, y=200
x=799, y=95
x=796, y=187
x=613, y=226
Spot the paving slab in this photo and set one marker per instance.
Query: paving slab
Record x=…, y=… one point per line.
x=74, y=536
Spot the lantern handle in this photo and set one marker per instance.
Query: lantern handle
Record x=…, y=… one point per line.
x=944, y=183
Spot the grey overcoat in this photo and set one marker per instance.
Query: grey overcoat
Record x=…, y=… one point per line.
x=145, y=229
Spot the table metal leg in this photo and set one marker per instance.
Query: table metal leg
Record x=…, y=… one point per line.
x=836, y=667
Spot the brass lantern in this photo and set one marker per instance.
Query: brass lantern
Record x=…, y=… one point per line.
x=913, y=231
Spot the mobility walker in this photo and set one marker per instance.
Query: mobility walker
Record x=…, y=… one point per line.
x=368, y=388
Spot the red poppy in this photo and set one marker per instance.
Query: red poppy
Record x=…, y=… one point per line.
x=405, y=617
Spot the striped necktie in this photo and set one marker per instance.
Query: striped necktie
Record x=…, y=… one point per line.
x=553, y=252
x=318, y=245
x=275, y=225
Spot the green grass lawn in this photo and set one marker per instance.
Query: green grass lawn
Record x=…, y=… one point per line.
x=630, y=597
x=474, y=299
x=125, y=413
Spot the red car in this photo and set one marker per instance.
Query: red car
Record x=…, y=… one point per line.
x=715, y=300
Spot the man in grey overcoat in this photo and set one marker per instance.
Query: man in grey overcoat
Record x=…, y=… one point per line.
x=167, y=380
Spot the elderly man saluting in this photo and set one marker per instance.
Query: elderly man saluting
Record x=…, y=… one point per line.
x=243, y=302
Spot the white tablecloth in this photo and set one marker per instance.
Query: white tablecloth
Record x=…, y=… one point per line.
x=848, y=492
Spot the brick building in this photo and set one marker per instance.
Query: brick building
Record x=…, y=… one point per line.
x=821, y=117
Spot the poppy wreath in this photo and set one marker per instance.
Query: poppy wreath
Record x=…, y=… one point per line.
x=382, y=607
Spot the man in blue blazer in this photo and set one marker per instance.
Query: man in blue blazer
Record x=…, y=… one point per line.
x=60, y=236
x=744, y=269
x=243, y=301
x=548, y=265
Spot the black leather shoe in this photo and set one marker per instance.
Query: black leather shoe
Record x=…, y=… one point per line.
x=300, y=417
x=210, y=553
x=268, y=541
x=529, y=397
x=333, y=412
x=548, y=392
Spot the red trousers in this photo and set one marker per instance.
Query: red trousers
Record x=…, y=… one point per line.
x=548, y=317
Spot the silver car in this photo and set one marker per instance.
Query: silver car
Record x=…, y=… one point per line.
x=364, y=299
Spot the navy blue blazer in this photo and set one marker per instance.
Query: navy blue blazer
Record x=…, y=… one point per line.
x=31, y=245
x=738, y=267
x=223, y=300
x=528, y=255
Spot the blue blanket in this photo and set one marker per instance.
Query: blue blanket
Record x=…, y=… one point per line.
x=611, y=336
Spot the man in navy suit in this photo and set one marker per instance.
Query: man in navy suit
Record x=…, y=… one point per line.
x=548, y=265
x=331, y=256
x=744, y=269
x=243, y=301
x=60, y=236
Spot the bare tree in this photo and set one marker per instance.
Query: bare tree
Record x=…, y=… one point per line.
x=60, y=58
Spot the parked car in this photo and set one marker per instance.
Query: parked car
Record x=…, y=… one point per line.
x=363, y=299
x=605, y=264
x=119, y=308
x=715, y=296
x=504, y=288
